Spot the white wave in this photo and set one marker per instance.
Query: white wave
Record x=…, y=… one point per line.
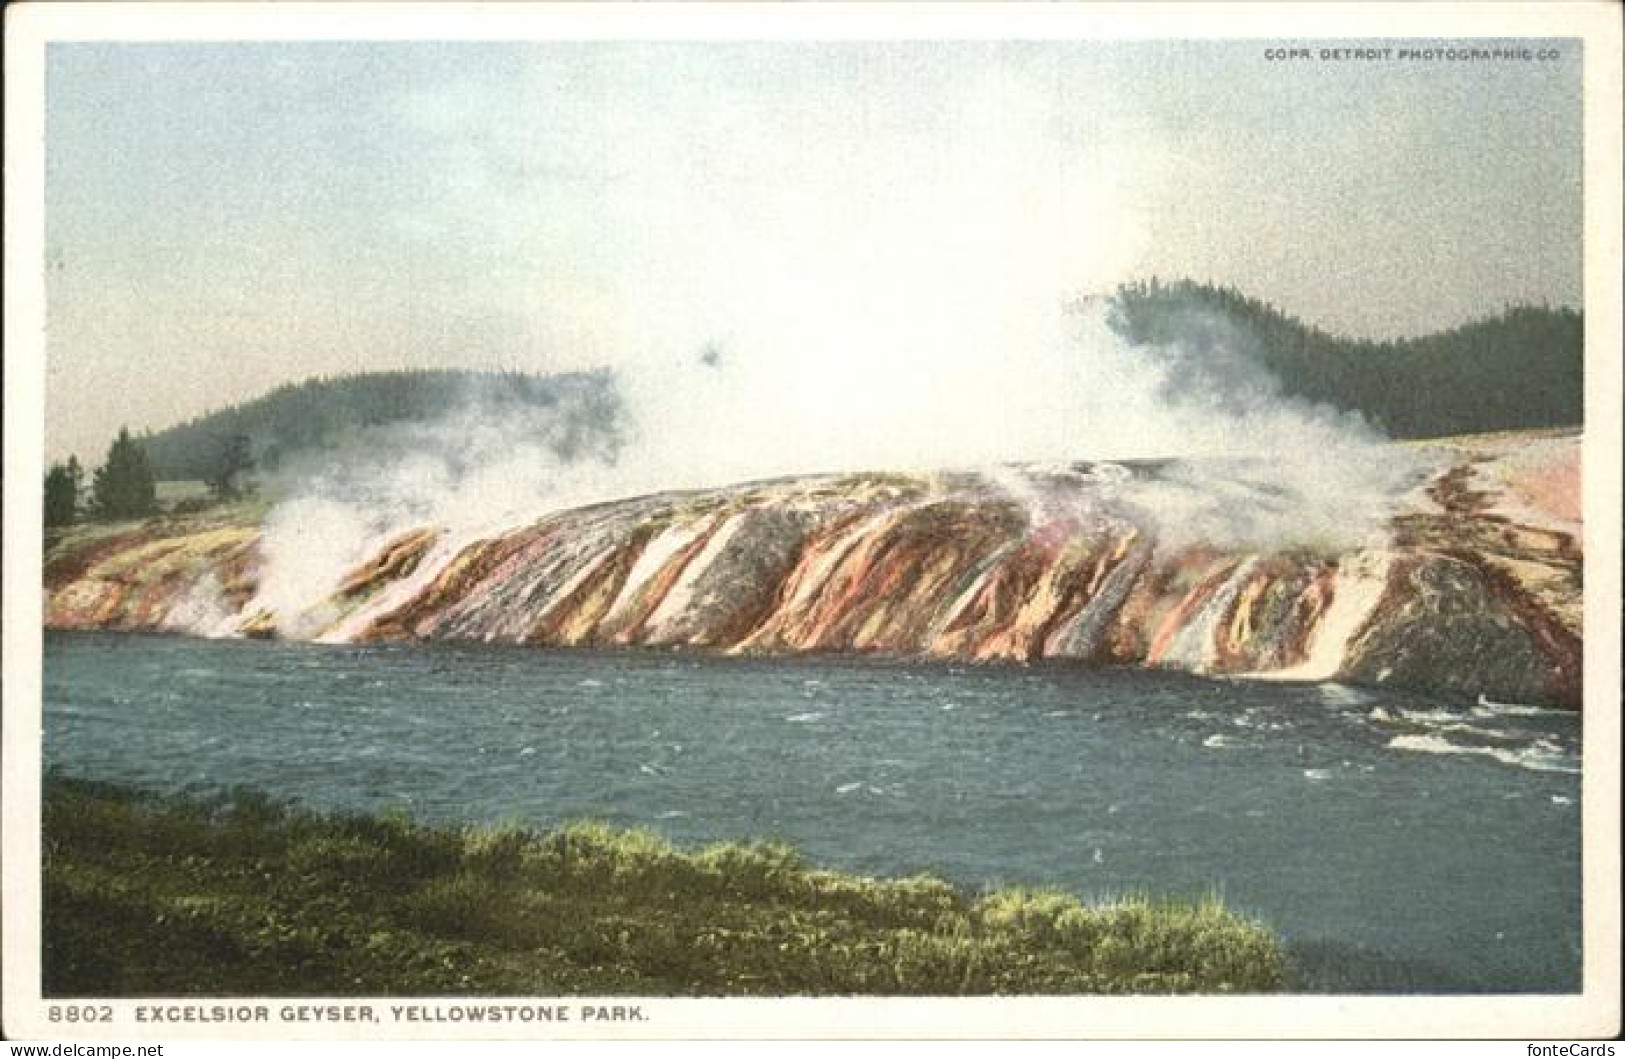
x=1343, y=695
x=1253, y=720
x=1432, y=716
x=1537, y=757
x=848, y=788
x=1219, y=742
x=804, y=718
x=1488, y=708
x=1317, y=774
x=1485, y=733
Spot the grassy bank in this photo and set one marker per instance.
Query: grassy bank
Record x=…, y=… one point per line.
x=235, y=894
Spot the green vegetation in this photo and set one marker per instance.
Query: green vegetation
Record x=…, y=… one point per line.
x=62, y=484
x=1520, y=369
x=236, y=895
x=228, y=479
x=580, y=410
x=123, y=487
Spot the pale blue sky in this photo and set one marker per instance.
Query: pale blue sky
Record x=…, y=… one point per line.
x=225, y=217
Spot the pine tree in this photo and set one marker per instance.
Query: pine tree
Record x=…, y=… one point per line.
x=228, y=479
x=62, y=483
x=123, y=486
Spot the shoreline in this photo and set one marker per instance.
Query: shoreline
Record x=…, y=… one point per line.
x=237, y=894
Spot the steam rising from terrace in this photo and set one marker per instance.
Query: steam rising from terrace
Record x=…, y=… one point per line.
x=903, y=310
x=1238, y=466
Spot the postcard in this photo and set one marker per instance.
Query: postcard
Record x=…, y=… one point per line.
x=885, y=521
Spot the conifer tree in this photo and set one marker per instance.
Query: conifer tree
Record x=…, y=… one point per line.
x=123, y=486
x=229, y=478
x=62, y=484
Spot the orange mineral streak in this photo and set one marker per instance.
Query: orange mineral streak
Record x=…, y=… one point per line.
x=1076, y=582
x=1308, y=608
x=1239, y=632
x=884, y=591
x=1043, y=580
x=85, y=604
x=1174, y=619
x=802, y=613
x=632, y=628
x=1553, y=487
x=396, y=559
x=982, y=605
x=239, y=575
x=573, y=618
x=1109, y=560
x=734, y=583
x=1561, y=646
x=132, y=580
x=66, y=565
x=947, y=566
x=417, y=616
x=1075, y=630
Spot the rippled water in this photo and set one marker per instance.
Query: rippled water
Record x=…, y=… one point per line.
x=1398, y=843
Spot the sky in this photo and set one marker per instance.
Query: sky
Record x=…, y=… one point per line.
x=855, y=223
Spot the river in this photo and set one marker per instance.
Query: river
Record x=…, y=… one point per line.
x=1398, y=843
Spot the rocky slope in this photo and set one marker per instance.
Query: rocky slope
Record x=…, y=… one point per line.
x=1476, y=587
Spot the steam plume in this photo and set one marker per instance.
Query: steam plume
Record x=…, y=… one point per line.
x=904, y=309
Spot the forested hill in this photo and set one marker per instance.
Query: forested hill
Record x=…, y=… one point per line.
x=581, y=409
x=1520, y=369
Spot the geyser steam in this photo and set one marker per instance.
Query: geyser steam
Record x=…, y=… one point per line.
x=1239, y=465
x=770, y=307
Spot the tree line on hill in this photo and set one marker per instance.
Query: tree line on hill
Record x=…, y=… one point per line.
x=321, y=412
x=124, y=486
x=1522, y=368
x=225, y=448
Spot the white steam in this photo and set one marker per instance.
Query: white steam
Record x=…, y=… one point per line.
x=1219, y=455
x=770, y=307
x=480, y=467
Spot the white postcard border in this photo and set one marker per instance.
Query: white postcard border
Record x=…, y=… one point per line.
x=1595, y=1012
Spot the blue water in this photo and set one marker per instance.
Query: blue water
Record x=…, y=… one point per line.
x=1398, y=843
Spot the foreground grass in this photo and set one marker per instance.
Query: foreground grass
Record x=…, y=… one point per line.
x=237, y=895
